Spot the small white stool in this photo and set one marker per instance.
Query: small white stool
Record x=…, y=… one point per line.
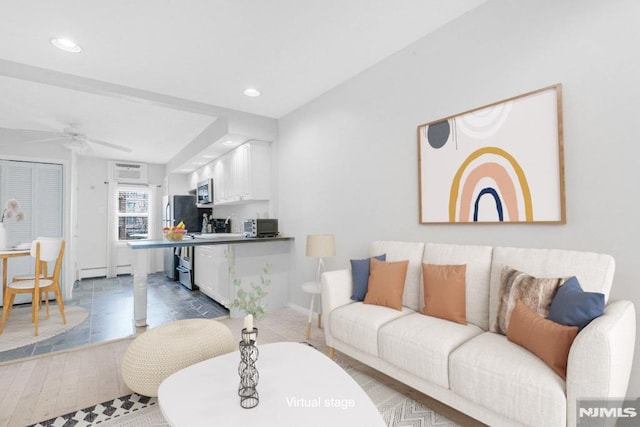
x=312, y=288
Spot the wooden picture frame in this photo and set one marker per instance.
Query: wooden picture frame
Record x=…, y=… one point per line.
x=501, y=163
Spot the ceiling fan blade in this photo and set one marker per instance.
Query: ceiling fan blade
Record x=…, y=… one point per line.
x=53, y=138
x=70, y=133
x=43, y=133
x=31, y=131
x=108, y=144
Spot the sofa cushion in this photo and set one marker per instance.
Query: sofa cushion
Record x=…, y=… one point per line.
x=421, y=345
x=444, y=292
x=593, y=270
x=536, y=293
x=574, y=307
x=360, y=269
x=357, y=324
x=508, y=379
x=478, y=262
x=548, y=340
x=386, y=283
x=400, y=251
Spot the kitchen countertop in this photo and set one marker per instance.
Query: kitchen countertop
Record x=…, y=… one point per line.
x=222, y=240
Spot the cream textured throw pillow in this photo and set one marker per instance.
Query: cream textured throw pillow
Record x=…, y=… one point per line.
x=536, y=293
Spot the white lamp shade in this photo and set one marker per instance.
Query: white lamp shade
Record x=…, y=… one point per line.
x=321, y=245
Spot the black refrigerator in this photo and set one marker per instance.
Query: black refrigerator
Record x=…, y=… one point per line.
x=176, y=209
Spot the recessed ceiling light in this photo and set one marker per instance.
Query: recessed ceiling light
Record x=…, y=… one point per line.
x=228, y=142
x=252, y=92
x=66, y=44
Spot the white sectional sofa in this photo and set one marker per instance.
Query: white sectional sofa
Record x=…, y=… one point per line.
x=478, y=372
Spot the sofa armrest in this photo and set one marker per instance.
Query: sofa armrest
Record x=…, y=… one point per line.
x=601, y=356
x=336, y=290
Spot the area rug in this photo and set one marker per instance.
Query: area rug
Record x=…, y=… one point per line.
x=140, y=411
x=397, y=409
x=18, y=329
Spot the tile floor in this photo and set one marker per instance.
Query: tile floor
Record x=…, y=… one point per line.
x=110, y=305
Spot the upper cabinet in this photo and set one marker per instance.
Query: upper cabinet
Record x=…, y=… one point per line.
x=243, y=174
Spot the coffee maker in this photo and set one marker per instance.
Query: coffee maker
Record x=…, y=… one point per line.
x=221, y=225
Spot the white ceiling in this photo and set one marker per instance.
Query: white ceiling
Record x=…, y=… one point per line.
x=28, y=105
x=199, y=53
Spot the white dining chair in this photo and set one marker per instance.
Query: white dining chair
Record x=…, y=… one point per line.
x=44, y=251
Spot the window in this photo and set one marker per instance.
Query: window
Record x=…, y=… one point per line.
x=133, y=213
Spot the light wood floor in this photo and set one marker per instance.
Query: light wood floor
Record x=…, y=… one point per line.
x=40, y=388
x=43, y=387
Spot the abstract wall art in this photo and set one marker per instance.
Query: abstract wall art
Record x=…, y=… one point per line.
x=501, y=163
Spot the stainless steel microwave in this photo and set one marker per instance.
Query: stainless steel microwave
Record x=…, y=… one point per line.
x=204, y=192
x=260, y=227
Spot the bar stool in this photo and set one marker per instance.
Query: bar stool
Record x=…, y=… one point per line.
x=312, y=288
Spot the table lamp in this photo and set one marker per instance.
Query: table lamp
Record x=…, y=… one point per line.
x=320, y=246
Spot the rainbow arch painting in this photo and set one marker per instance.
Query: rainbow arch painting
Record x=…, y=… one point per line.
x=505, y=190
x=498, y=163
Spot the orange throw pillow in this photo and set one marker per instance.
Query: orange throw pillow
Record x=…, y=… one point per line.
x=386, y=283
x=548, y=340
x=445, y=292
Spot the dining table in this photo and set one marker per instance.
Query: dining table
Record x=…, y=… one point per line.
x=5, y=254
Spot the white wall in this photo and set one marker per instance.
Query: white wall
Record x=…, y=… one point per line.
x=93, y=201
x=92, y=216
x=348, y=160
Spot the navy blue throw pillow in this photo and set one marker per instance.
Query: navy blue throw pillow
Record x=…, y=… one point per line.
x=572, y=306
x=360, y=273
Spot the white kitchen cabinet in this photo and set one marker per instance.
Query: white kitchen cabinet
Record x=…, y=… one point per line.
x=247, y=261
x=218, y=182
x=243, y=174
x=224, y=180
x=211, y=272
x=228, y=183
x=241, y=171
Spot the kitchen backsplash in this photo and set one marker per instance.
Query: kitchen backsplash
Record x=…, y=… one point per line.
x=241, y=212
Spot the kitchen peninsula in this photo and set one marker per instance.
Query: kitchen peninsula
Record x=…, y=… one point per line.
x=247, y=255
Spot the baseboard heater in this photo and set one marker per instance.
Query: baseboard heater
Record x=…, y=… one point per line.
x=90, y=272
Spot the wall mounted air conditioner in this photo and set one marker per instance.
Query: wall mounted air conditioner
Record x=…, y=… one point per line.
x=134, y=173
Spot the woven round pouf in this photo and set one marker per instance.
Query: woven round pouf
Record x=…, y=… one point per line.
x=163, y=350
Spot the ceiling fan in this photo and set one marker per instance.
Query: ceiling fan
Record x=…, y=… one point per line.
x=73, y=139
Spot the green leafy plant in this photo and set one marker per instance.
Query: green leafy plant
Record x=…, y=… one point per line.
x=251, y=299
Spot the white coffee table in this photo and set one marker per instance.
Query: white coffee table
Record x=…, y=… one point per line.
x=298, y=386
